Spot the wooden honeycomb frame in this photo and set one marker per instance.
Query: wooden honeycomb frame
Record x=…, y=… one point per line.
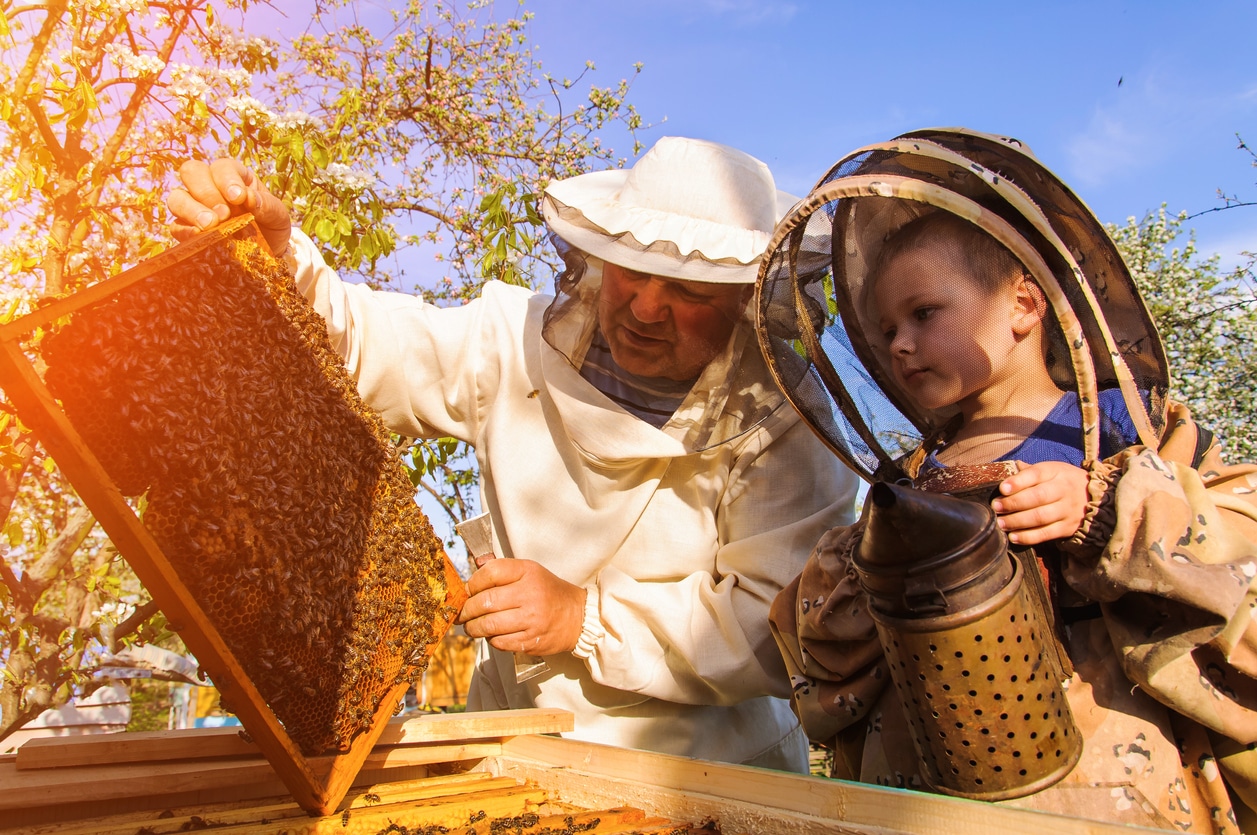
x=318, y=783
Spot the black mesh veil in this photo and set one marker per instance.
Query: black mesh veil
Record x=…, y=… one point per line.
x=819, y=329
x=734, y=394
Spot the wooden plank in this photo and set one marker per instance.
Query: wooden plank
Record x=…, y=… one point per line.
x=181, y=819
x=144, y=746
x=48, y=786
x=448, y=813
x=647, y=826
x=427, y=787
x=622, y=819
x=557, y=774
x=400, y=795
x=444, y=727
x=212, y=743
x=584, y=821
x=758, y=801
x=431, y=754
x=66, y=807
x=21, y=789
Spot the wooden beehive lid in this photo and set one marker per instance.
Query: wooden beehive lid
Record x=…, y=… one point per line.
x=481, y=772
x=373, y=634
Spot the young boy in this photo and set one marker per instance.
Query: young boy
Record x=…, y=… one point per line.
x=964, y=327
x=1045, y=358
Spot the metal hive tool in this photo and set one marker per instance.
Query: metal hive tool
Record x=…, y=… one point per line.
x=280, y=535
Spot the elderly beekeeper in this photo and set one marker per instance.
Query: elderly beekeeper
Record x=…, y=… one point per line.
x=638, y=463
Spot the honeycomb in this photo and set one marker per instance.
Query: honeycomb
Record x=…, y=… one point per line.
x=274, y=492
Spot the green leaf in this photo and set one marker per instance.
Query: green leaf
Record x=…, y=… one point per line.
x=324, y=229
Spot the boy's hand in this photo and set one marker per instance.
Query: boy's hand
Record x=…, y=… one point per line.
x=210, y=193
x=1041, y=502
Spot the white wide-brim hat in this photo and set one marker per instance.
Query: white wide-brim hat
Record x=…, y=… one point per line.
x=687, y=209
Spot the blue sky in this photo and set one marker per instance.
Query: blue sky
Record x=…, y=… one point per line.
x=799, y=84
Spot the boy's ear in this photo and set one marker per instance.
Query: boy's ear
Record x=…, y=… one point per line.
x=1029, y=305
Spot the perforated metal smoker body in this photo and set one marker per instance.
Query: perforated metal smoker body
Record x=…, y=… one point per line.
x=966, y=633
x=982, y=696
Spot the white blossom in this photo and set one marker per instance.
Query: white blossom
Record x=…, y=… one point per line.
x=110, y=8
x=187, y=82
x=233, y=47
x=236, y=77
x=343, y=178
x=131, y=64
x=294, y=120
x=251, y=110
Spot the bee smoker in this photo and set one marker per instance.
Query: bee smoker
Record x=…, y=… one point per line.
x=969, y=646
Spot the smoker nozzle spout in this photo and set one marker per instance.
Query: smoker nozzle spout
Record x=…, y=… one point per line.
x=926, y=554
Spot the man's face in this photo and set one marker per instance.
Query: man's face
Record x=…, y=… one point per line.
x=665, y=327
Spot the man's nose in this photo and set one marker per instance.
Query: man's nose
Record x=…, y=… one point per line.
x=650, y=303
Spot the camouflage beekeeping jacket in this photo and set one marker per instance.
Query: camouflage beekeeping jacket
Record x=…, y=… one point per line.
x=1164, y=688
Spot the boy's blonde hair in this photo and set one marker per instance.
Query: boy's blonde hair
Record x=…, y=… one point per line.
x=989, y=263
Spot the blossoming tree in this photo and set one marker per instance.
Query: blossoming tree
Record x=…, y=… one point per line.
x=1207, y=318
x=410, y=146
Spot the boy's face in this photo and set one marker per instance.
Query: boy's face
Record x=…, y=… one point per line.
x=950, y=339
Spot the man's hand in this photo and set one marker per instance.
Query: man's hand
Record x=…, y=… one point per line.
x=522, y=607
x=211, y=193
x=1041, y=502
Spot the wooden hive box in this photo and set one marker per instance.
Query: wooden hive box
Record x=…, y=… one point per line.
x=485, y=773
x=279, y=533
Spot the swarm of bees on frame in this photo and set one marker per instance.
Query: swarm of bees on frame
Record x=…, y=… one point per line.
x=275, y=493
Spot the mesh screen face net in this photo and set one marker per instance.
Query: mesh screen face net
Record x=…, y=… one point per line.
x=815, y=360
x=829, y=343
x=732, y=394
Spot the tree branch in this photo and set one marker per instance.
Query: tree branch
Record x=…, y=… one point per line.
x=23, y=444
x=1223, y=208
x=60, y=550
x=39, y=45
x=428, y=488
x=132, y=623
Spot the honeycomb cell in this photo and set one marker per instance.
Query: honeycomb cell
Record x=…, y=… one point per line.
x=274, y=492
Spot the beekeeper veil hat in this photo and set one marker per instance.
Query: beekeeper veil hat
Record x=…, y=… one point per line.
x=688, y=209
x=817, y=327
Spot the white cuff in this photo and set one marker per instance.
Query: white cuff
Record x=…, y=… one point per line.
x=591, y=631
